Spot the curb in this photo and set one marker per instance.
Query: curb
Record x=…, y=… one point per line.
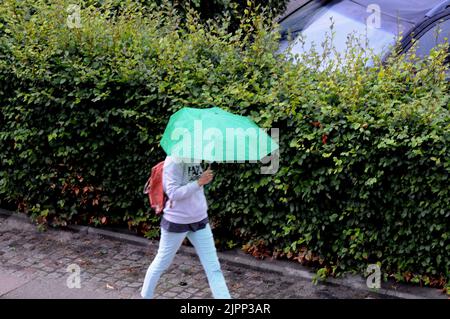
x=285, y=268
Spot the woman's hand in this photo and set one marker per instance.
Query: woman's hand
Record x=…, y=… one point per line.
x=206, y=177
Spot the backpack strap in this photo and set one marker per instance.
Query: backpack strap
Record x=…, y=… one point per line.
x=146, y=186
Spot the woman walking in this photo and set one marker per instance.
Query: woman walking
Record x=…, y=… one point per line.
x=185, y=215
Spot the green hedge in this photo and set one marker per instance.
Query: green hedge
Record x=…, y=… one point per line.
x=365, y=157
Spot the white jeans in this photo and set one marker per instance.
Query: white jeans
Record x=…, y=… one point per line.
x=169, y=244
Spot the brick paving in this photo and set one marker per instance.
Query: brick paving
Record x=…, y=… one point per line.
x=116, y=269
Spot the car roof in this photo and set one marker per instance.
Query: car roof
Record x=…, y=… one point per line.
x=413, y=11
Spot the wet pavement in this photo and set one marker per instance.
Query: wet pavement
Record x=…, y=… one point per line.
x=36, y=264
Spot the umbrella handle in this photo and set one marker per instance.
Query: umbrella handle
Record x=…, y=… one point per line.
x=213, y=166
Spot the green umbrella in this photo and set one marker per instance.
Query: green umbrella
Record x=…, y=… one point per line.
x=215, y=135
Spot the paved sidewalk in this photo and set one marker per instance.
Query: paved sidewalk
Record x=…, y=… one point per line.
x=35, y=264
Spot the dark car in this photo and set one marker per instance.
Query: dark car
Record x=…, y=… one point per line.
x=379, y=22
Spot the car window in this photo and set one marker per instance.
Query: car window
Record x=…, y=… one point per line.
x=438, y=34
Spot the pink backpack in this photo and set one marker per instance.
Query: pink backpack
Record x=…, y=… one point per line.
x=154, y=188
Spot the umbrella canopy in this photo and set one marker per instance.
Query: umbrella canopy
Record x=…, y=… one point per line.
x=215, y=135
